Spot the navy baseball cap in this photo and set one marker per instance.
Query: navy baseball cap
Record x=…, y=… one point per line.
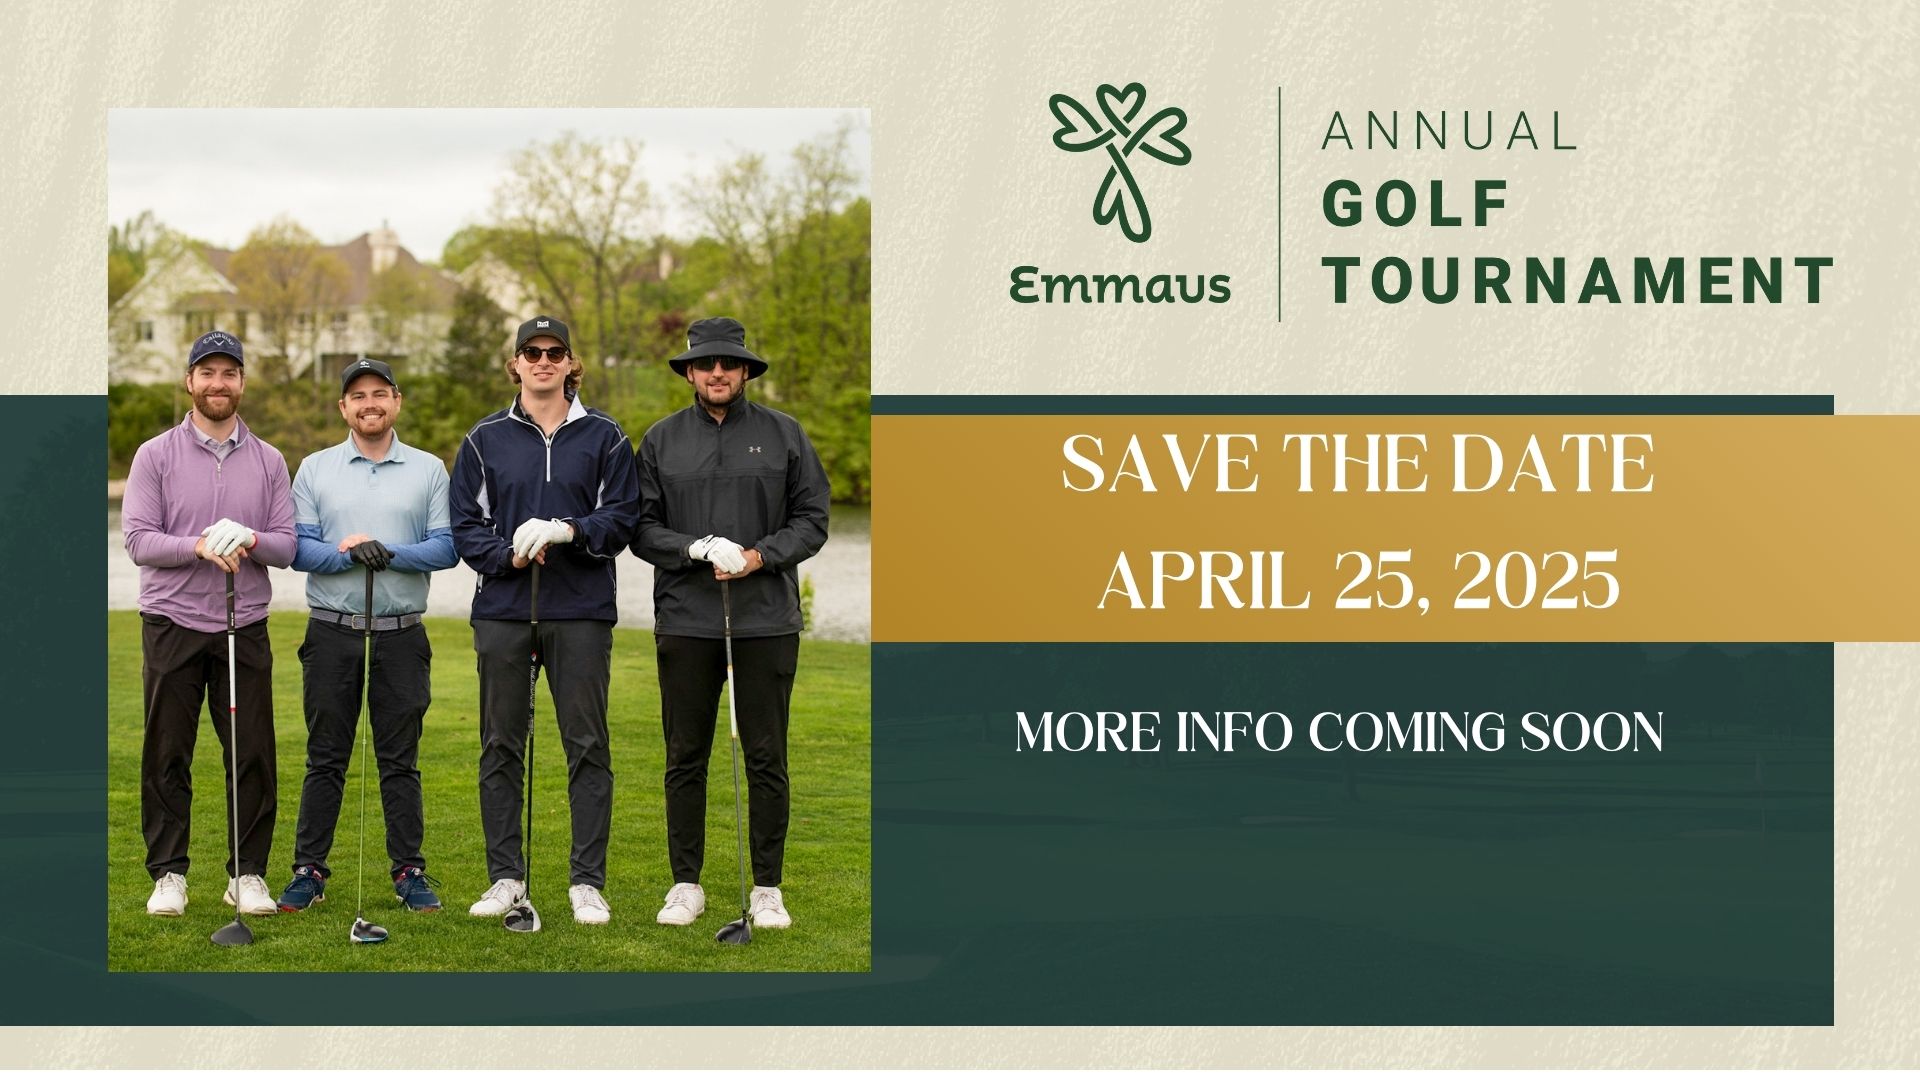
x=364, y=366
x=541, y=326
x=216, y=343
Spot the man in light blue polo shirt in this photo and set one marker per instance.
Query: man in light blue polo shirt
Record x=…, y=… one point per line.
x=371, y=503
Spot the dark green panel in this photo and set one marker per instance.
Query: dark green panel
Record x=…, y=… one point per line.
x=1690, y=886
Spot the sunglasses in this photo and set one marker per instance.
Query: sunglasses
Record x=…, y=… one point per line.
x=726, y=363
x=533, y=353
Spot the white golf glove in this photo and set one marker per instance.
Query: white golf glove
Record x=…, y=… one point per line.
x=719, y=551
x=536, y=533
x=226, y=536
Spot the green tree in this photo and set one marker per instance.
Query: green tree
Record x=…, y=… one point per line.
x=293, y=286
x=571, y=218
x=130, y=247
x=471, y=382
x=798, y=272
x=402, y=302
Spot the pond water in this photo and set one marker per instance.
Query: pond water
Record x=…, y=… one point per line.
x=842, y=601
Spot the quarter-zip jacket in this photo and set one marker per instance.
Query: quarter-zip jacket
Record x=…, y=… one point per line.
x=507, y=471
x=755, y=480
x=176, y=488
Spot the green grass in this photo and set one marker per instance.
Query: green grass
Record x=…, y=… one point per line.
x=827, y=879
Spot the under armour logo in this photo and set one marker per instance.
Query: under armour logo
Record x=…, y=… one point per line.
x=753, y=449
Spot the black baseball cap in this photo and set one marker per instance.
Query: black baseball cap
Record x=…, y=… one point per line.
x=216, y=343
x=541, y=326
x=364, y=366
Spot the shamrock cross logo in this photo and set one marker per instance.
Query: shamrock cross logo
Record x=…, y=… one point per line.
x=1156, y=137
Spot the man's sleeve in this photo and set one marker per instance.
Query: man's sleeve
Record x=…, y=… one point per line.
x=809, y=496
x=275, y=544
x=473, y=537
x=604, y=531
x=435, y=552
x=312, y=554
x=143, y=515
x=653, y=540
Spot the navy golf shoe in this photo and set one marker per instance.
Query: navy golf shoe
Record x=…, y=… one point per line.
x=308, y=887
x=415, y=889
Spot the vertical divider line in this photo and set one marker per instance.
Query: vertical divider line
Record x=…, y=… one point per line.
x=1279, y=198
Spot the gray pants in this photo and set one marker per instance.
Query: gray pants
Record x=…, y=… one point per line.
x=577, y=654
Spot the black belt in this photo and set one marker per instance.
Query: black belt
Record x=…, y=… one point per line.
x=359, y=622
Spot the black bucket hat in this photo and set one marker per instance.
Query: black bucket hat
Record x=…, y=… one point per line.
x=718, y=336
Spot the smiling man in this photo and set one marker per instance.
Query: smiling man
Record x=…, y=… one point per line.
x=204, y=499
x=730, y=491
x=549, y=481
x=369, y=504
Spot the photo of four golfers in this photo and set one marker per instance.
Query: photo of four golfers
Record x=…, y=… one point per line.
x=724, y=499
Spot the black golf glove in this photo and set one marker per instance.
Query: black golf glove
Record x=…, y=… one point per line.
x=372, y=554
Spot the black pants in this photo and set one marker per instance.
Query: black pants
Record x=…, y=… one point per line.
x=577, y=655
x=332, y=662
x=693, y=672
x=180, y=669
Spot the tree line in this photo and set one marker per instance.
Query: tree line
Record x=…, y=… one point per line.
x=783, y=247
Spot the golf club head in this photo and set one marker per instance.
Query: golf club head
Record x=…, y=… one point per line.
x=737, y=932
x=523, y=919
x=233, y=934
x=365, y=933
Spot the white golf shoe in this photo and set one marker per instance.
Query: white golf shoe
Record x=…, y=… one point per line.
x=588, y=905
x=254, y=897
x=503, y=896
x=169, y=896
x=685, y=902
x=769, y=910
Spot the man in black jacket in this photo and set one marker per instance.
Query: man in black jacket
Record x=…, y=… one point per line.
x=730, y=491
x=551, y=481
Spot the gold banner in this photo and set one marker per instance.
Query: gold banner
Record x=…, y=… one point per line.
x=1690, y=528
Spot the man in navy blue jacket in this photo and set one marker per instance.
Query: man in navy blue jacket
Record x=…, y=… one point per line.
x=551, y=481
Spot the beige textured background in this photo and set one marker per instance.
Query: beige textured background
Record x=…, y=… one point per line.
x=1704, y=129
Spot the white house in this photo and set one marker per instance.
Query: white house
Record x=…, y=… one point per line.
x=189, y=292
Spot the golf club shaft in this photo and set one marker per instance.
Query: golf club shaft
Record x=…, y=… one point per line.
x=733, y=741
x=533, y=686
x=360, y=871
x=233, y=747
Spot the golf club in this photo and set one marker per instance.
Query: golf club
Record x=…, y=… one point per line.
x=235, y=932
x=363, y=932
x=524, y=919
x=740, y=931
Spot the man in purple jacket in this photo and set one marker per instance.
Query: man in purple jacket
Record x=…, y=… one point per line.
x=205, y=498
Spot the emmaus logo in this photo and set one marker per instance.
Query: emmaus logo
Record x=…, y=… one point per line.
x=1159, y=137
x=1119, y=200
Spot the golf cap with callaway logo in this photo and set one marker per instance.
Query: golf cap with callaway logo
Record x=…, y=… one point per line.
x=216, y=343
x=541, y=326
x=364, y=366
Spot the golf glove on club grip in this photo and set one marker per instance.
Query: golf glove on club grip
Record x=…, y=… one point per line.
x=719, y=551
x=536, y=533
x=226, y=536
x=372, y=553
